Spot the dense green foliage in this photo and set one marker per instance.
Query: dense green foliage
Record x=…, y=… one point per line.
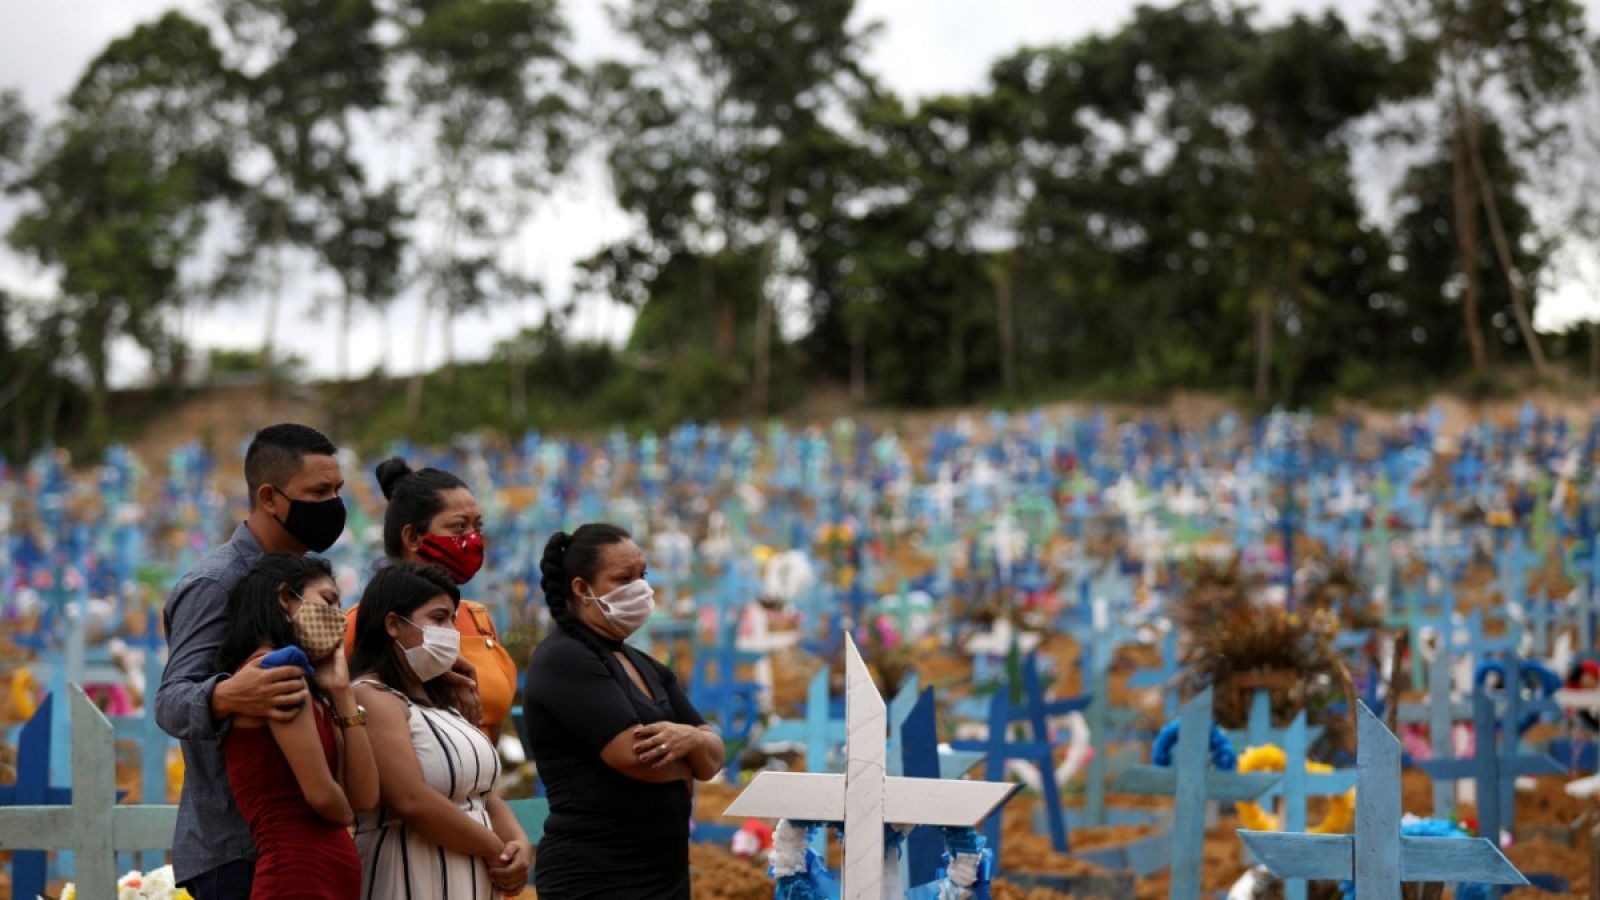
x=1172, y=204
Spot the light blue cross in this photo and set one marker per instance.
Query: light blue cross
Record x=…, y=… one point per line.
x=1377, y=857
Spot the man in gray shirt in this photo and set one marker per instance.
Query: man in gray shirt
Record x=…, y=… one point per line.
x=294, y=483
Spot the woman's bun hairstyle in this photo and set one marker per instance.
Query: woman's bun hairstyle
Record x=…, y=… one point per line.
x=390, y=471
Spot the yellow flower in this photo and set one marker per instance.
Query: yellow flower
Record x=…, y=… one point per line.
x=1269, y=758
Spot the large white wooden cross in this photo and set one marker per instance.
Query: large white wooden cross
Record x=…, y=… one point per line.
x=866, y=797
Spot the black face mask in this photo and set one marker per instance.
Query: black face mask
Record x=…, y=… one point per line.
x=315, y=523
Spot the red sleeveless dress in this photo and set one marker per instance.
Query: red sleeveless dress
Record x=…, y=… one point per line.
x=300, y=854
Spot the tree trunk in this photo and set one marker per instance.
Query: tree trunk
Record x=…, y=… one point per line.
x=518, y=370
x=414, y=387
x=21, y=433
x=94, y=339
x=449, y=342
x=858, y=364
x=1263, y=390
x=1502, y=247
x=1006, y=323
x=519, y=387
x=274, y=298
x=385, y=341
x=763, y=342
x=50, y=414
x=446, y=255
x=99, y=395
x=1466, y=223
x=723, y=319
x=345, y=304
x=1594, y=351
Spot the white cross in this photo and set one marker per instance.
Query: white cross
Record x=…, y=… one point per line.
x=944, y=494
x=1007, y=541
x=998, y=639
x=865, y=796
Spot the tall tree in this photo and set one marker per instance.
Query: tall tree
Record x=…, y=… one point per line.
x=1498, y=65
x=709, y=136
x=119, y=194
x=311, y=72
x=488, y=88
x=1187, y=174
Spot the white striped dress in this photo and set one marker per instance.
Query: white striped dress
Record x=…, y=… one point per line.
x=458, y=762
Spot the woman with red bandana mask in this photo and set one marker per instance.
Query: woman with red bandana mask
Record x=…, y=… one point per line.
x=433, y=518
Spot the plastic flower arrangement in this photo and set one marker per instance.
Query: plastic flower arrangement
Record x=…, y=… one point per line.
x=158, y=884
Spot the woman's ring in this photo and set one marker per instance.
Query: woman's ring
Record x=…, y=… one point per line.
x=662, y=746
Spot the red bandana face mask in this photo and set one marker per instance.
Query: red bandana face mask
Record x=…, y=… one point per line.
x=459, y=554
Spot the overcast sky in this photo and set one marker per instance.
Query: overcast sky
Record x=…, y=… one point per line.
x=925, y=47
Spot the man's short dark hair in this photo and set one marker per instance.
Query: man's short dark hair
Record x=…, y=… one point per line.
x=278, y=453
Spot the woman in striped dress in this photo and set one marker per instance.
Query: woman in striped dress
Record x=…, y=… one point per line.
x=440, y=829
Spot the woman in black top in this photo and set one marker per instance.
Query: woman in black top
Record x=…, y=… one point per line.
x=615, y=739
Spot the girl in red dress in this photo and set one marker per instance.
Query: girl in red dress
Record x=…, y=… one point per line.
x=298, y=783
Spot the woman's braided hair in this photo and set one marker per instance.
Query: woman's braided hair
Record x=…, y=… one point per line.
x=576, y=555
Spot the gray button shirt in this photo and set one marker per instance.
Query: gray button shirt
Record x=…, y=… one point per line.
x=211, y=831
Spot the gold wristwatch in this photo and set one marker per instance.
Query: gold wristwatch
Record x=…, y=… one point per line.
x=360, y=718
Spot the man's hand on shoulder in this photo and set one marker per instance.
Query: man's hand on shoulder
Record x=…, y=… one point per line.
x=276, y=694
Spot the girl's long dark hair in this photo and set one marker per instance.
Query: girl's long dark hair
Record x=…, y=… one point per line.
x=400, y=588
x=255, y=617
x=576, y=555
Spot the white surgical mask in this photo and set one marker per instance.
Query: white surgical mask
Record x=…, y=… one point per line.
x=438, y=651
x=628, y=607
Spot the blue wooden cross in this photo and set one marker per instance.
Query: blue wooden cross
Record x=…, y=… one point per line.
x=999, y=748
x=29, y=868
x=1377, y=857
x=1096, y=649
x=1544, y=615
x=915, y=735
x=919, y=758
x=1259, y=731
x=1493, y=769
x=951, y=763
x=1588, y=604
x=1192, y=781
x=1413, y=621
x=1479, y=644
x=1164, y=676
x=725, y=698
x=1441, y=712
x=819, y=730
x=1298, y=784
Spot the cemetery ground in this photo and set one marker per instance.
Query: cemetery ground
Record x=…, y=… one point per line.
x=1553, y=827
x=1549, y=833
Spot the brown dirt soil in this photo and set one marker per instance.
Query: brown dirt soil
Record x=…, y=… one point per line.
x=1544, y=856
x=1222, y=864
x=1549, y=805
x=942, y=668
x=719, y=875
x=711, y=799
x=1001, y=889
x=1025, y=851
x=1109, y=836
x=792, y=671
x=1416, y=792
x=716, y=874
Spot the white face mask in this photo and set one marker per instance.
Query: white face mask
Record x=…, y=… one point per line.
x=628, y=607
x=438, y=651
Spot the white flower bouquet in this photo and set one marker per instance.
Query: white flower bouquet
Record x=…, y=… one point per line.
x=155, y=885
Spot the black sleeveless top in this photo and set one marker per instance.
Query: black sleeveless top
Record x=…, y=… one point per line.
x=608, y=835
